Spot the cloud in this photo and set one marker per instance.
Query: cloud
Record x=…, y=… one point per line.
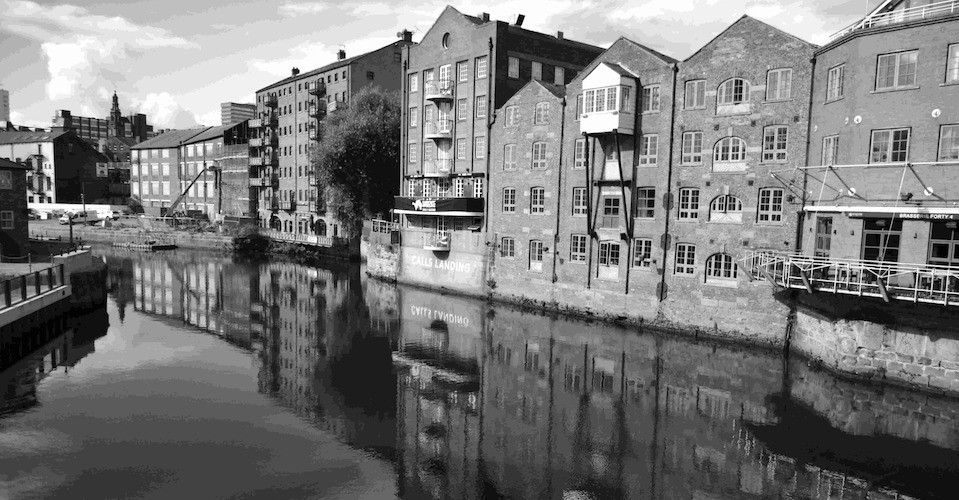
x=294, y=9
x=164, y=111
x=19, y=120
x=306, y=56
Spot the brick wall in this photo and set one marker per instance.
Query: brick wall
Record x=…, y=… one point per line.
x=13, y=242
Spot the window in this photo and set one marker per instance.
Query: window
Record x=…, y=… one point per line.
x=649, y=150
x=645, y=202
x=605, y=100
x=460, y=149
x=509, y=157
x=949, y=143
x=541, y=116
x=729, y=149
x=537, y=200
x=579, y=106
x=427, y=76
x=685, y=258
x=642, y=252
x=734, y=91
x=478, y=187
x=512, y=116
x=774, y=143
x=609, y=253
x=480, y=106
x=896, y=70
x=830, y=149
x=6, y=179
x=459, y=187
x=726, y=208
x=770, y=210
x=535, y=255
x=688, y=204
x=462, y=70
x=411, y=188
x=779, y=84
x=509, y=200
x=721, y=266
x=579, y=157
x=952, y=64
x=413, y=153
x=610, y=212
x=414, y=116
x=481, y=63
x=513, y=71
x=445, y=72
x=539, y=155
x=834, y=83
x=537, y=71
x=692, y=148
x=695, y=94
x=889, y=146
x=577, y=248
x=461, y=112
x=507, y=247
x=579, y=201
x=479, y=147
x=6, y=219
x=651, y=99
x=559, y=76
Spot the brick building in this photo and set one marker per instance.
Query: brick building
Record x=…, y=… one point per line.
x=63, y=168
x=456, y=80
x=286, y=126
x=133, y=126
x=13, y=208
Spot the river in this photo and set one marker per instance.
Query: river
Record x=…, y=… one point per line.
x=209, y=378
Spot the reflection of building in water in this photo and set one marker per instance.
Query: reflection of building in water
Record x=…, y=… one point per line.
x=571, y=409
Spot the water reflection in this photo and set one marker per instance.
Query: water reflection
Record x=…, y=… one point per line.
x=473, y=401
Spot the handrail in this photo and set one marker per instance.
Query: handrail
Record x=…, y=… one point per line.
x=26, y=286
x=900, y=16
x=900, y=164
x=383, y=226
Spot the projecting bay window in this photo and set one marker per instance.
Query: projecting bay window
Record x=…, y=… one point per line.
x=889, y=146
x=897, y=71
x=607, y=100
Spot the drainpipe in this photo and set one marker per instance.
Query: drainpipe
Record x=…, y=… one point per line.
x=404, y=117
x=797, y=245
x=626, y=215
x=559, y=185
x=490, y=120
x=589, y=210
x=668, y=195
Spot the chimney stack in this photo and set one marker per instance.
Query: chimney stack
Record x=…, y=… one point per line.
x=485, y=17
x=519, y=19
x=559, y=35
x=406, y=35
x=340, y=55
x=296, y=71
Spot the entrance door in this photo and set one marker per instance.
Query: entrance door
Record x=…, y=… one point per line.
x=823, y=236
x=880, y=239
x=944, y=244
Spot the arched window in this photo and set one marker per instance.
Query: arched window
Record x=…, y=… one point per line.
x=320, y=227
x=726, y=208
x=732, y=91
x=729, y=149
x=721, y=266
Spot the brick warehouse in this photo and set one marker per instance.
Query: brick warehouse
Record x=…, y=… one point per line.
x=13, y=208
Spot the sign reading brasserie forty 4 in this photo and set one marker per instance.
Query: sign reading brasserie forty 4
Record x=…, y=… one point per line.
x=903, y=215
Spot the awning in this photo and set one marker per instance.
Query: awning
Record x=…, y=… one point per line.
x=463, y=207
x=447, y=214
x=904, y=212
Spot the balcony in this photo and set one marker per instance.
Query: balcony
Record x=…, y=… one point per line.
x=925, y=283
x=439, y=129
x=335, y=105
x=269, y=120
x=439, y=91
x=437, y=168
x=318, y=112
x=255, y=123
x=318, y=88
x=265, y=181
x=256, y=142
x=900, y=16
x=271, y=101
x=256, y=161
x=437, y=242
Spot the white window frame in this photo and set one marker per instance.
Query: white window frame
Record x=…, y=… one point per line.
x=412, y=153
x=480, y=106
x=692, y=148
x=835, y=82
x=948, y=144
x=775, y=144
x=509, y=200
x=770, y=207
x=539, y=155
x=642, y=257
x=512, y=116
x=726, y=209
x=830, y=150
x=507, y=247
x=609, y=253
x=461, y=149
x=897, y=67
x=685, y=259
x=645, y=202
x=414, y=116
x=952, y=63
x=688, y=207
x=477, y=187
x=721, y=266
x=651, y=99
x=541, y=115
x=579, y=154
x=649, y=150
x=605, y=100
x=698, y=92
x=890, y=143
x=578, y=247
x=459, y=187
x=482, y=67
x=462, y=110
x=509, y=157
x=462, y=71
x=736, y=150
x=6, y=179
x=726, y=93
x=537, y=200
x=580, y=207
x=479, y=147
x=781, y=89
x=536, y=254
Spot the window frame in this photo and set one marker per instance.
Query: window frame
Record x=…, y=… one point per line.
x=509, y=156
x=578, y=248
x=462, y=71
x=511, y=118
x=726, y=209
x=413, y=84
x=644, y=204
x=721, y=95
x=481, y=68
x=537, y=200
x=732, y=140
x=954, y=139
x=684, y=259
x=504, y=247
x=580, y=209
x=779, y=72
x=646, y=158
x=610, y=253
x=688, y=206
x=775, y=154
x=699, y=92
x=651, y=98
x=721, y=266
x=462, y=109
x=952, y=64
x=479, y=147
x=509, y=200
x=835, y=87
x=479, y=106
x=538, y=159
x=541, y=113
x=579, y=160
x=537, y=249
x=890, y=144
x=767, y=203
x=646, y=245
x=833, y=149
x=512, y=67
x=7, y=220
x=689, y=158
x=897, y=68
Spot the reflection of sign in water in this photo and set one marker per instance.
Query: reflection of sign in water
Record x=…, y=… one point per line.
x=433, y=314
x=447, y=265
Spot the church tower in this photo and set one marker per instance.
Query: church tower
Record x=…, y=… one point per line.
x=116, y=118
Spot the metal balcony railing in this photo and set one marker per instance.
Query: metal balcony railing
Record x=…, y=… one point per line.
x=384, y=226
x=255, y=123
x=21, y=288
x=441, y=166
x=439, y=90
x=901, y=16
x=439, y=129
x=927, y=283
x=318, y=88
x=270, y=101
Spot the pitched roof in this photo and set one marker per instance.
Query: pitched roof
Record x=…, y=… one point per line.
x=557, y=90
x=338, y=64
x=171, y=139
x=210, y=133
x=653, y=52
x=23, y=137
x=10, y=165
x=741, y=19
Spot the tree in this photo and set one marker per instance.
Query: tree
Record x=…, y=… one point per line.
x=357, y=159
x=135, y=205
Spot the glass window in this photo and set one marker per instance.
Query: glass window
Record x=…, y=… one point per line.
x=509, y=157
x=579, y=106
x=513, y=71
x=609, y=253
x=774, y=143
x=830, y=149
x=579, y=201
x=834, y=82
x=579, y=159
x=481, y=67
x=729, y=149
x=726, y=208
x=461, y=113
x=692, y=148
x=889, y=146
x=779, y=84
x=721, y=266
x=460, y=149
x=507, y=247
x=462, y=70
x=577, y=248
x=445, y=72
x=537, y=70
x=512, y=116
x=770, y=210
x=459, y=187
x=478, y=187
x=6, y=220
x=509, y=200
x=695, y=96
x=685, y=258
x=535, y=251
x=896, y=70
x=645, y=202
x=642, y=252
x=414, y=116
x=537, y=200
x=688, y=204
x=479, y=147
x=952, y=64
x=949, y=143
x=735, y=91
x=539, y=155
x=649, y=150
x=542, y=113
x=6, y=179
x=611, y=212
x=413, y=153
x=650, y=98
x=480, y=106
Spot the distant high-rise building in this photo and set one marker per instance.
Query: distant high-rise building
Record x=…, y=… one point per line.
x=234, y=112
x=4, y=106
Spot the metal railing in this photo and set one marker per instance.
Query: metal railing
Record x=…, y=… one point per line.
x=383, y=226
x=901, y=16
x=439, y=89
x=306, y=239
x=927, y=283
x=438, y=166
x=24, y=287
x=441, y=127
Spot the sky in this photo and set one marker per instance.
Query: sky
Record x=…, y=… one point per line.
x=177, y=60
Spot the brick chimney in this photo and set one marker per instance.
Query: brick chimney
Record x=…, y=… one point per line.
x=340, y=55
x=485, y=17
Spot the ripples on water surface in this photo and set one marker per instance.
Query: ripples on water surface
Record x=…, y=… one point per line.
x=205, y=378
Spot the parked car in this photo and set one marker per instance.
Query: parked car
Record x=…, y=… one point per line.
x=88, y=217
